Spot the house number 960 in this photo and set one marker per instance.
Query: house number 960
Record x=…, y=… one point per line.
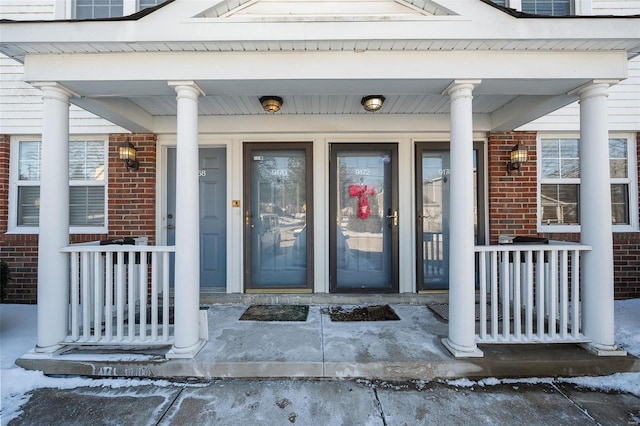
x=202, y=173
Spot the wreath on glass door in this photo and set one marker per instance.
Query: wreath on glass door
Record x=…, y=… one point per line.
x=362, y=192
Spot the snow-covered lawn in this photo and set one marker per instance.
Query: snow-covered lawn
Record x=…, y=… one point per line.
x=18, y=336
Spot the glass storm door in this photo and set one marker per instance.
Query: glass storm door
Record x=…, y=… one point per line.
x=432, y=201
x=278, y=227
x=363, y=227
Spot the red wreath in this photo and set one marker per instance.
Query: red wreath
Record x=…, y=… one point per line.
x=361, y=191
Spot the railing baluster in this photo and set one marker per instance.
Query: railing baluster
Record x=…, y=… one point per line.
x=504, y=288
x=541, y=275
x=120, y=295
x=553, y=293
x=528, y=304
x=494, y=295
x=143, y=295
x=564, y=293
x=154, y=296
x=75, y=297
x=98, y=295
x=483, y=294
x=575, y=293
x=517, y=326
x=108, y=296
x=131, y=305
x=165, y=296
x=86, y=302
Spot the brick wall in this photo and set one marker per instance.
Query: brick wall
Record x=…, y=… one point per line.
x=513, y=209
x=131, y=212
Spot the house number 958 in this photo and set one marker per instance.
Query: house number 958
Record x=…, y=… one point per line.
x=202, y=173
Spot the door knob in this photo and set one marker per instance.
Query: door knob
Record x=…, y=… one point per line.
x=393, y=216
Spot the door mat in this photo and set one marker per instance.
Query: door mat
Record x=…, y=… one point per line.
x=363, y=313
x=442, y=310
x=275, y=313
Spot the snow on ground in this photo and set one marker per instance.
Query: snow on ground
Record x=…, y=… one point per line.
x=18, y=336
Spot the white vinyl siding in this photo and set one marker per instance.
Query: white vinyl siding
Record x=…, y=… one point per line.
x=623, y=108
x=27, y=10
x=21, y=106
x=616, y=7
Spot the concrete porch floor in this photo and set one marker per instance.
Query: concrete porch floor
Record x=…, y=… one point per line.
x=409, y=349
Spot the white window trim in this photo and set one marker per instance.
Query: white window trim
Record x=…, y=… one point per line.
x=632, y=181
x=13, y=227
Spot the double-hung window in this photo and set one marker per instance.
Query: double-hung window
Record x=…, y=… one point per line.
x=559, y=184
x=87, y=185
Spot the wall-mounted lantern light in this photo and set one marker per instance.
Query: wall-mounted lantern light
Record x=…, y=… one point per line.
x=127, y=153
x=519, y=155
x=271, y=103
x=372, y=103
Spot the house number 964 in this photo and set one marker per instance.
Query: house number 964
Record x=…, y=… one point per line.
x=202, y=173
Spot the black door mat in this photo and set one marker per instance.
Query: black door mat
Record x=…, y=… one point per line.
x=442, y=310
x=363, y=313
x=275, y=313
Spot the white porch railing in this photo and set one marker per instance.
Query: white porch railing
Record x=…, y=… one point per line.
x=529, y=293
x=119, y=294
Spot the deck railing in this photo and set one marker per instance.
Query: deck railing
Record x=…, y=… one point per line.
x=529, y=293
x=119, y=294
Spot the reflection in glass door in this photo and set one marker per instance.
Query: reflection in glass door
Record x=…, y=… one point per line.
x=278, y=232
x=363, y=233
x=432, y=201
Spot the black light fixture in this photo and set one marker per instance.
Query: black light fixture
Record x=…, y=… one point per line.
x=372, y=103
x=519, y=155
x=127, y=153
x=271, y=103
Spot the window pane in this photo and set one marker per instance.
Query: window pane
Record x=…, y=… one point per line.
x=29, y=160
x=149, y=3
x=559, y=204
x=500, y=2
x=618, y=158
x=91, y=9
x=620, y=204
x=547, y=7
x=28, y=205
x=86, y=206
x=86, y=160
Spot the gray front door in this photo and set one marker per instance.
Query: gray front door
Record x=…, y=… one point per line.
x=213, y=214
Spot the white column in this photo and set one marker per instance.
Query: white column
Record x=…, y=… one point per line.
x=595, y=221
x=187, y=263
x=53, y=266
x=461, y=339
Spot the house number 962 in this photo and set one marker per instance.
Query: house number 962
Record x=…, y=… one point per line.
x=202, y=173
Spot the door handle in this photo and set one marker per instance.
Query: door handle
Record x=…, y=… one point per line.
x=171, y=227
x=247, y=218
x=394, y=216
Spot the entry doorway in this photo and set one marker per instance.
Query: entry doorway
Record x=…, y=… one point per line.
x=432, y=212
x=212, y=171
x=278, y=217
x=363, y=225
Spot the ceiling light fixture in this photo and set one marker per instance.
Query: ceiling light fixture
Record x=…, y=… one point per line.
x=271, y=103
x=372, y=103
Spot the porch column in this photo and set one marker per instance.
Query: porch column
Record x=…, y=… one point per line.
x=187, y=246
x=53, y=266
x=595, y=220
x=461, y=339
